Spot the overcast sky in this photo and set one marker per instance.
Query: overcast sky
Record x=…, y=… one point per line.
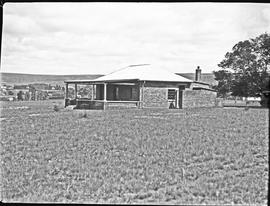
x=98, y=38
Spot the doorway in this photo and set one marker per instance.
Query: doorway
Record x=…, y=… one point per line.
x=181, y=88
x=172, y=98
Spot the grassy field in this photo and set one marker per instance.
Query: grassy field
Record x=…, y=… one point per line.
x=188, y=156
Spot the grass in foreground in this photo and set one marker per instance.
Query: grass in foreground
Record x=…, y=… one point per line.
x=189, y=156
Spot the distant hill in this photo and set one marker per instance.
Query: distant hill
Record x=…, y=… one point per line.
x=18, y=78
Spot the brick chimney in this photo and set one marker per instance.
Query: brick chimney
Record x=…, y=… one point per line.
x=198, y=74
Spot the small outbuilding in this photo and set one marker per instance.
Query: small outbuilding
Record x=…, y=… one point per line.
x=143, y=86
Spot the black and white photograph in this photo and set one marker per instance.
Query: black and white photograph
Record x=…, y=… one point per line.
x=135, y=103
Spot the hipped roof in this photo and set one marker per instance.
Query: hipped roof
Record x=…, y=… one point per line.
x=143, y=72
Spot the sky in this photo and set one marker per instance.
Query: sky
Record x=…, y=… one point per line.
x=99, y=38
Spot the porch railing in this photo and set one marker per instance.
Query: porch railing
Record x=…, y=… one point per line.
x=100, y=104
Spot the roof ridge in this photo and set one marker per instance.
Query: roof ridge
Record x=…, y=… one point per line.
x=138, y=71
x=135, y=65
x=132, y=65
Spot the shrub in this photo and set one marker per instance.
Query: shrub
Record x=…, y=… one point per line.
x=56, y=108
x=265, y=102
x=246, y=108
x=83, y=114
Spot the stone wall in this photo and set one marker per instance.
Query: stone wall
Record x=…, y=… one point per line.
x=155, y=97
x=198, y=98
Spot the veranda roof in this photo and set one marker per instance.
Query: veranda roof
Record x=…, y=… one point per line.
x=142, y=72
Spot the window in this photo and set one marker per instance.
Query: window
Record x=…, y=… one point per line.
x=171, y=94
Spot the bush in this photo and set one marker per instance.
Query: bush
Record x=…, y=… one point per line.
x=265, y=102
x=56, y=108
x=83, y=114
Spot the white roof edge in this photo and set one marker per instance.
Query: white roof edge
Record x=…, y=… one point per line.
x=138, y=72
x=93, y=81
x=144, y=72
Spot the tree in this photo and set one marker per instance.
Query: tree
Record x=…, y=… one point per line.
x=19, y=96
x=10, y=92
x=248, y=66
x=224, y=79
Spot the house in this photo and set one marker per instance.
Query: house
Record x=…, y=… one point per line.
x=143, y=86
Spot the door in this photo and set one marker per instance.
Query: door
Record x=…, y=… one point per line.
x=181, y=89
x=172, y=98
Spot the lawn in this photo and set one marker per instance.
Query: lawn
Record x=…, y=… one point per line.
x=186, y=156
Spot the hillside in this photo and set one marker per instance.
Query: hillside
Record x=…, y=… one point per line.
x=18, y=78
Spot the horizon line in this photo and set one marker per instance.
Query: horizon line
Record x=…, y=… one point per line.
x=86, y=74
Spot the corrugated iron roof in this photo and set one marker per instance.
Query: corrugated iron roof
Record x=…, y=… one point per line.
x=143, y=72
